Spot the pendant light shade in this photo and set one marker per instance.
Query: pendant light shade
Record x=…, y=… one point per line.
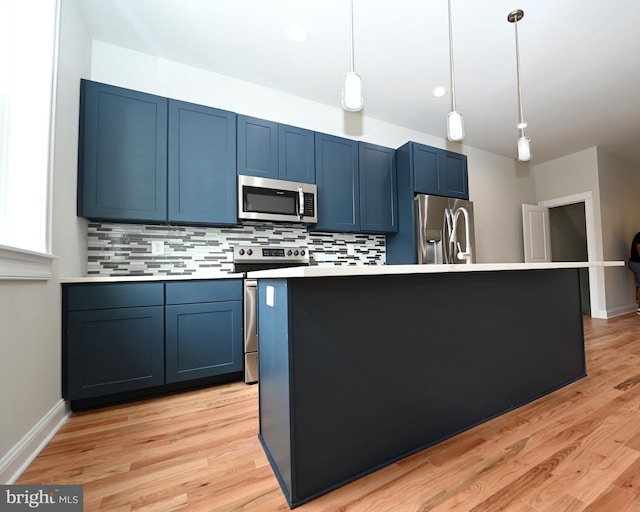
x=352, y=100
x=524, y=142
x=524, y=149
x=455, y=125
x=352, y=92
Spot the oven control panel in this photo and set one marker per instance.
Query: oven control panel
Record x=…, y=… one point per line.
x=265, y=254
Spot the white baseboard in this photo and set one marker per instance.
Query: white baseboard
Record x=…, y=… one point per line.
x=623, y=310
x=22, y=454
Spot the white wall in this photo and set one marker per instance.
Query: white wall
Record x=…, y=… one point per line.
x=30, y=343
x=570, y=175
x=497, y=184
x=498, y=188
x=620, y=211
x=69, y=230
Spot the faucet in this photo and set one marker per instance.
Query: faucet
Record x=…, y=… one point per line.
x=466, y=255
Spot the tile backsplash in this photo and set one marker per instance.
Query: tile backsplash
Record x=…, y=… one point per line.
x=126, y=249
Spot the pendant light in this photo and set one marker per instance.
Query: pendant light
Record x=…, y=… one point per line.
x=352, y=89
x=524, y=142
x=455, y=126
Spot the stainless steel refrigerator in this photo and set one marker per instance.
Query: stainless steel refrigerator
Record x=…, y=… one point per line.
x=444, y=230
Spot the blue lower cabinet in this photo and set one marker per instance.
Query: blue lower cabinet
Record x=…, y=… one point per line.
x=114, y=350
x=203, y=340
x=124, y=341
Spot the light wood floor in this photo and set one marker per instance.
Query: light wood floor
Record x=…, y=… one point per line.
x=574, y=450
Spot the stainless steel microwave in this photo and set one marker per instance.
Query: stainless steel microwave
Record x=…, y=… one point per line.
x=276, y=200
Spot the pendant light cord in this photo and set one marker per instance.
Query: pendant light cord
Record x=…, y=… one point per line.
x=521, y=123
x=451, y=66
x=352, y=59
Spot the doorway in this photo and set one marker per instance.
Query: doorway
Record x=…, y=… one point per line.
x=568, y=233
x=595, y=282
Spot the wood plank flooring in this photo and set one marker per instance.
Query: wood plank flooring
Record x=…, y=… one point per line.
x=577, y=449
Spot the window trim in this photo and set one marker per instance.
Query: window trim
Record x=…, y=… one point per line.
x=23, y=264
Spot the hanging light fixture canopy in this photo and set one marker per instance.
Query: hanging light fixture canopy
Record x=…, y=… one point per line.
x=352, y=100
x=524, y=142
x=455, y=125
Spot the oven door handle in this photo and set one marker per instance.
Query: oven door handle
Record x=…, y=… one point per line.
x=250, y=317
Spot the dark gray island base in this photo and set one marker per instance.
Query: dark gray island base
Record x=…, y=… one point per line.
x=357, y=372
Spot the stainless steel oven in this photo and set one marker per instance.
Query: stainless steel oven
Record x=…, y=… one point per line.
x=260, y=257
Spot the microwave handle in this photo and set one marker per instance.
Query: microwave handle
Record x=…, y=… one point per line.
x=300, y=202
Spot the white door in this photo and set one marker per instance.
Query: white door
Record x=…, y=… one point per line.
x=537, y=239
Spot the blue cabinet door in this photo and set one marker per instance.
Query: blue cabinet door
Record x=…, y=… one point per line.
x=338, y=182
x=277, y=151
x=113, y=350
x=378, y=211
x=257, y=147
x=427, y=175
x=457, y=179
x=439, y=172
x=203, y=340
x=123, y=154
x=202, y=165
x=296, y=154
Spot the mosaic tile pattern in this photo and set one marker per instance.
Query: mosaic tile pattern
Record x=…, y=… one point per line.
x=126, y=249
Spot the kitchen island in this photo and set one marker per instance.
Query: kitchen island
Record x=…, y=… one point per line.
x=362, y=366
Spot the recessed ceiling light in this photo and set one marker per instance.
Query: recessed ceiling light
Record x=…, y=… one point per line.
x=439, y=92
x=297, y=34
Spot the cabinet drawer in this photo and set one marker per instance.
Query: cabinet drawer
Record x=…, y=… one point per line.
x=204, y=291
x=117, y=295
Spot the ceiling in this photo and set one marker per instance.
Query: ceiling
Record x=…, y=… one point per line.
x=580, y=60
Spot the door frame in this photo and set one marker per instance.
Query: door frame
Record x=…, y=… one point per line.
x=596, y=275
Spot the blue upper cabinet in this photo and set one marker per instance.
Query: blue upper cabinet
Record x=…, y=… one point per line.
x=377, y=169
x=296, y=150
x=427, y=176
x=436, y=171
x=257, y=147
x=356, y=186
x=277, y=151
x=123, y=154
x=457, y=178
x=145, y=158
x=202, y=161
x=337, y=178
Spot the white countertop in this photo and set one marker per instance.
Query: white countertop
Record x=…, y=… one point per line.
x=379, y=270
x=130, y=278
x=346, y=270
